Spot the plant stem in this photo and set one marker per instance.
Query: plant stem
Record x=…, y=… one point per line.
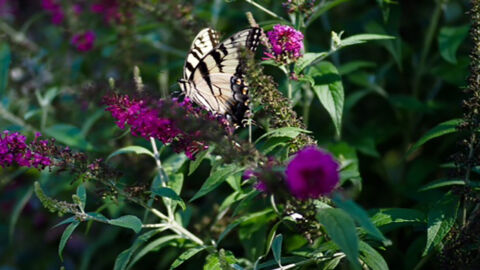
x=265, y=10
x=471, y=151
x=432, y=28
x=161, y=173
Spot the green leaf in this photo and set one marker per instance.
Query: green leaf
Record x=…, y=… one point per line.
x=69, y=135
x=241, y=220
x=198, y=160
x=215, y=179
x=341, y=229
x=123, y=258
x=449, y=40
x=307, y=59
x=371, y=257
x=155, y=245
x=290, y=132
x=357, y=213
x=185, y=256
x=397, y=217
x=440, y=130
x=82, y=195
x=131, y=149
x=17, y=210
x=322, y=8
x=169, y=193
x=65, y=236
x=128, y=221
x=329, y=90
x=5, y=59
x=441, y=218
x=362, y=38
x=394, y=47
x=441, y=183
x=277, y=248
x=66, y=221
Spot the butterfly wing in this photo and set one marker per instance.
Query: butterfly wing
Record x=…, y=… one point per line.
x=218, y=78
x=203, y=43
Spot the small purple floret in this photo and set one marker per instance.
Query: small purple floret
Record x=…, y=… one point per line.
x=286, y=43
x=84, y=41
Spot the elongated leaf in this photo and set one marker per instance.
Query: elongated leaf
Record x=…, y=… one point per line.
x=329, y=90
x=440, y=130
x=132, y=149
x=5, y=59
x=362, y=38
x=69, y=135
x=441, y=218
x=371, y=257
x=277, y=248
x=129, y=221
x=322, y=8
x=185, y=256
x=82, y=195
x=341, y=229
x=215, y=179
x=154, y=245
x=17, y=210
x=169, y=193
x=241, y=220
x=123, y=258
x=362, y=218
x=449, y=40
x=307, y=59
x=290, y=132
x=442, y=183
x=398, y=217
x=65, y=236
x=198, y=160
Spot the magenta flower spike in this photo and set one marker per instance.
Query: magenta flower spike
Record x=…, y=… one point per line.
x=286, y=44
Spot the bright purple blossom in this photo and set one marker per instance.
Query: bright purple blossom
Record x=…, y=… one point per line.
x=108, y=8
x=84, y=41
x=311, y=173
x=286, y=44
x=55, y=10
x=171, y=122
x=15, y=150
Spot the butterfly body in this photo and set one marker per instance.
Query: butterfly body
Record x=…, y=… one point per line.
x=214, y=72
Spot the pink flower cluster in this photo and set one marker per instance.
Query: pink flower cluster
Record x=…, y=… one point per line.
x=286, y=44
x=15, y=150
x=84, y=41
x=55, y=10
x=171, y=122
x=109, y=10
x=310, y=174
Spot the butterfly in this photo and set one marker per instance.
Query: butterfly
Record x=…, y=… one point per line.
x=213, y=75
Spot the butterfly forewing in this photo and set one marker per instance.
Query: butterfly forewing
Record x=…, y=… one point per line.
x=216, y=82
x=203, y=43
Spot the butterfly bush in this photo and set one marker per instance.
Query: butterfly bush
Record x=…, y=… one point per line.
x=15, y=150
x=55, y=11
x=178, y=123
x=302, y=6
x=286, y=44
x=108, y=8
x=312, y=173
x=84, y=41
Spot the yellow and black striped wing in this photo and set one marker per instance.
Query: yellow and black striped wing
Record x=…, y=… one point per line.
x=204, y=42
x=217, y=80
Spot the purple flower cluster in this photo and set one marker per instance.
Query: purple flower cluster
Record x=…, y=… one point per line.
x=312, y=173
x=176, y=123
x=55, y=10
x=15, y=150
x=109, y=9
x=286, y=44
x=84, y=41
